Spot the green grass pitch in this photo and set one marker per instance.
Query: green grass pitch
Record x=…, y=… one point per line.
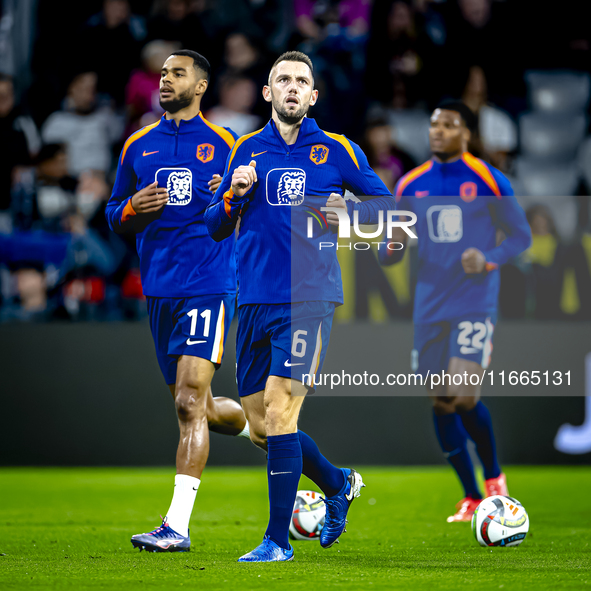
x=70, y=529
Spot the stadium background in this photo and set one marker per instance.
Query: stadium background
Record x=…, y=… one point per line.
x=78, y=372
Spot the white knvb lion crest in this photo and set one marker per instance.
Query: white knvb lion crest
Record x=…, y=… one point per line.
x=179, y=187
x=179, y=184
x=286, y=186
x=449, y=224
x=290, y=189
x=445, y=223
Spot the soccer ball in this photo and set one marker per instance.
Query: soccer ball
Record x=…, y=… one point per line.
x=500, y=521
x=307, y=519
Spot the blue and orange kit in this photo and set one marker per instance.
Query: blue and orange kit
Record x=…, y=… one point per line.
x=178, y=258
x=460, y=205
x=283, y=247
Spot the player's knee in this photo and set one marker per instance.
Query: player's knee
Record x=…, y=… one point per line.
x=259, y=439
x=278, y=418
x=190, y=403
x=274, y=417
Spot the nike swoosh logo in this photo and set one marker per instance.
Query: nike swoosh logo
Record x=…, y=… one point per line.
x=252, y=155
x=148, y=153
x=288, y=364
x=190, y=342
x=275, y=473
x=167, y=543
x=349, y=496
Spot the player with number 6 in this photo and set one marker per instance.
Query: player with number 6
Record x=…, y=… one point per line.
x=276, y=179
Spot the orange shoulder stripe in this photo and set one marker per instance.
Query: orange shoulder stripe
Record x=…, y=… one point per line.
x=136, y=136
x=409, y=177
x=345, y=143
x=223, y=133
x=239, y=142
x=482, y=171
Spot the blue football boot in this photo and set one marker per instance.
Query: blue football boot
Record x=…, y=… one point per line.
x=162, y=539
x=268, y=551
x=337, y=508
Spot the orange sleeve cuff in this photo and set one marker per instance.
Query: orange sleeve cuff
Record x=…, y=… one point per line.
x=128, y=212
x=491, y=266
x=228, y=202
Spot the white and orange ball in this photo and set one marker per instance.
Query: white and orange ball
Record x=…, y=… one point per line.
x=307, y=519
x=500, y=521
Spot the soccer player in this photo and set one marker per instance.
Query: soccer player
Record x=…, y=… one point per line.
x=289, y=284
x=460, y=202
x=160, y=193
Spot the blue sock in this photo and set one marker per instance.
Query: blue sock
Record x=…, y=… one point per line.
x=478, y=424
x=284, y=468
x=452, y=439
x=318, y=469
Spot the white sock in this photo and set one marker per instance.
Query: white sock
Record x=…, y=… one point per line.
x=179, y=514
x=245, y=432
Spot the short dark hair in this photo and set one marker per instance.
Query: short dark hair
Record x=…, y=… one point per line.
x=199, y=62
x=293, y=56
x=49, y=151
x=463, y=109
x=5, y=77
x=376, y=121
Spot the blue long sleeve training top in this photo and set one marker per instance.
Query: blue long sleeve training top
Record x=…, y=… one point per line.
x=178, y=258
x=277, y=261
x=460, y=205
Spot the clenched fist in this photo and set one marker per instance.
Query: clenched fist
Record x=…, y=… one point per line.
x=244, y=178
x=335, y=200
x=473, y=261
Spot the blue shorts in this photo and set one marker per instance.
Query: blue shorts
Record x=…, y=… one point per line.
x=285, y=340
x=189, y=326
x=467, y=338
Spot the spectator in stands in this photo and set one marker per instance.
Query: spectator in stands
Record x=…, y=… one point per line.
x=274, y=20
x=27, y=294
x=398, y=52
x=387, y=159
x=243, y=58
x=430, y=21
x=317, y=21
x=111, y=43
x=473, y=28
x=88, y=131
x=497, y=133
x=237, y=99
x=45, y=195
x=334, y=34
x=176, y=20
x=142, y=96
x=548, y=257
x=19, y=143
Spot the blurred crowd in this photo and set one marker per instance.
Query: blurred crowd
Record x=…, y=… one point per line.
x=77, y=78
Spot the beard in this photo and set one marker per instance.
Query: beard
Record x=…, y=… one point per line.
x=175, y=104
x=445, y=156
x=285, y=116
